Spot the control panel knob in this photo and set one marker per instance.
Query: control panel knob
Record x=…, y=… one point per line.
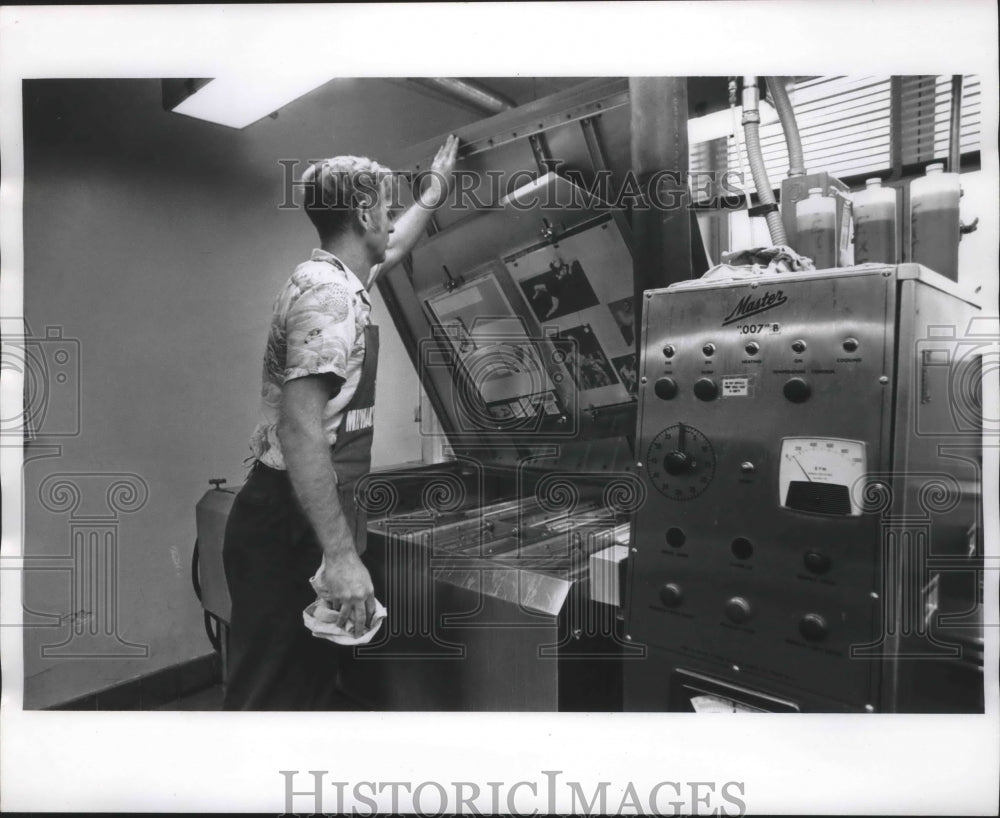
x=678, y=462
x=742, y=548
x=709, y=350
x=668, y=351
x=671, y=595
x=706, y=389
x=798, y=346
x=813, y=627
x=817, y=562
x=851, y=345
x=665, y=388
x=797, y=390
x=738, y=610
x=752, y=348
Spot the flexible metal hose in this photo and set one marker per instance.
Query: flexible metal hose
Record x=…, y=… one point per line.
x=751, y=128
x=783, y=105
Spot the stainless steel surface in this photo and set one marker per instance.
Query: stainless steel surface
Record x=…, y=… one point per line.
x=488, y=603
x=827, y=598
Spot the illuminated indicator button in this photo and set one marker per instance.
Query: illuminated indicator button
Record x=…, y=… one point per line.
x=813, y=627
x=709, y=350
x=671, y=595
x=747, y=467
x=738, y=610
x=799, y=346
x=797, y=390
x=851, y=345
x=706, y=389
x=816, y=562
x=752, y=348
x=742, y=548
x=669, y=350
x=675, y=537
x=665, y=388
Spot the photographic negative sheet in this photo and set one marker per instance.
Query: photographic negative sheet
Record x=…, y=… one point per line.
x=625, y=367
x=586, y=361
x=624, y=315
x=563, y=288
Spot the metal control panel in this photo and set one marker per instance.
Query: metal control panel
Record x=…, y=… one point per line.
x=783, y=544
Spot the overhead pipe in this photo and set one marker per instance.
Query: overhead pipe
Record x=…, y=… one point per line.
x=751, y=128
x=955, y=142
x=955, y=129
x=786, y=114
x=471, y=93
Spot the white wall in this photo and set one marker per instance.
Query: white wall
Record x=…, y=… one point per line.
x=156, y=241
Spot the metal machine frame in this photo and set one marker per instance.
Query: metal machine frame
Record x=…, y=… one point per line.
x=834, y=584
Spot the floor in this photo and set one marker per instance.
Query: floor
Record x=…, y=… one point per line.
x=208, y=699
x=211, y=699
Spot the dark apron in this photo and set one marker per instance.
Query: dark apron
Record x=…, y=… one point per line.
x=352, y=453
x=270, y=552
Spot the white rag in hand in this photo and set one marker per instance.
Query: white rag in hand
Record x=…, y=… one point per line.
x=321, y=619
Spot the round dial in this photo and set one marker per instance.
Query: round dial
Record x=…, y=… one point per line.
x=680, y=462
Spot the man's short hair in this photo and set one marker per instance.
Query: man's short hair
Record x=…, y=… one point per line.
x=337, y=187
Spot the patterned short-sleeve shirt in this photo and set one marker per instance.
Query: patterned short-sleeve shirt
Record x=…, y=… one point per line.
x=317, y=327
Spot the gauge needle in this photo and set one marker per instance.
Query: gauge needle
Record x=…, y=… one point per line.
x=803, y=469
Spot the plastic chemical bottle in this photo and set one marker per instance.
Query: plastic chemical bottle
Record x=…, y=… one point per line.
x=875, y=224
x=816, y=220
x=935, y=228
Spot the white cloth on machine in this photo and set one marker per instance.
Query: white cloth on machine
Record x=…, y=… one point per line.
x=757, y=261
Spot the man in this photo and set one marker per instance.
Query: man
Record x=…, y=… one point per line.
x=296, y=515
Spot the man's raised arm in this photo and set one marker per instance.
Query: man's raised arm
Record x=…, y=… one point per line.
x=411, y=226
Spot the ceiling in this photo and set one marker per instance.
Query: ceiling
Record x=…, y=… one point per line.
x=122, y=123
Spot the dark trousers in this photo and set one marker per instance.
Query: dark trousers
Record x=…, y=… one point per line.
x=269, y=553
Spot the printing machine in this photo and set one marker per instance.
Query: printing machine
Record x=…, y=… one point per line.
x=517, y=315
x=537, y=322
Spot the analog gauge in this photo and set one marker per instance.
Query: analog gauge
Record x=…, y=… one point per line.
x=818, y=474
x=680, y=462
